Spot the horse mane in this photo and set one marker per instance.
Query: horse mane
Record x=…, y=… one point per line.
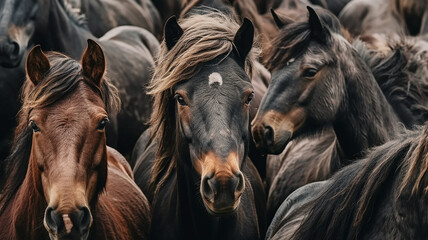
x=74, y=14
x=205, y=38
x=61, y=80
x=345, y=207
x=406, y=94
x=292, y=40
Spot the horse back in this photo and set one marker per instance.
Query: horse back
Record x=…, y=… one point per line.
x=122, y=211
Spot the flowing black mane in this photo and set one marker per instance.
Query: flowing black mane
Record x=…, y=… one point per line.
x=61, y=80
x=344, y=210
x=293, y=39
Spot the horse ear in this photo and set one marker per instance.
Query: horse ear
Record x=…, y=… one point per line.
x=244, y=37
x=172, y=32
x=37, y=65
x=280, y=21
x=317, y=29
x=93, y=62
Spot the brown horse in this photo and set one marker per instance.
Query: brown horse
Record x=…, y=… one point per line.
x=383, y=196
x=129, y=53
x=61, y=174
x=203, y=184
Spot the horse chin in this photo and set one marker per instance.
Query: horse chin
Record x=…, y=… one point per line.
x=71, y=236
x=12, y=63
x=222, y=212
x=280, y=145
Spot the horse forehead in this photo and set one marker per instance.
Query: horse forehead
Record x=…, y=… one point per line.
x=215, y=79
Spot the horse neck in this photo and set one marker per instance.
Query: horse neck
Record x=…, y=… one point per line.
x=61, y=33
x=365, y=118
x=24, y=212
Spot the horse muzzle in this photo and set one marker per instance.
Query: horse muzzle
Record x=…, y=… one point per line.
x=10, y=53
x=272, y=131
x=221, y=194
x=70, y=226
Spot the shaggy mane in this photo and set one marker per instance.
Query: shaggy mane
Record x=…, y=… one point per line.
x=345, y=207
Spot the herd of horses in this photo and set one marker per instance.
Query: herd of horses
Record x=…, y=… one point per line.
x=213, y=119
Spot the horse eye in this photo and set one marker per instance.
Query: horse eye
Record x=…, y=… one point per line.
x=180, y=100
x=41, y=168
x=102, y=124
x=34, y=126
x=310, y=72
x=249, y=98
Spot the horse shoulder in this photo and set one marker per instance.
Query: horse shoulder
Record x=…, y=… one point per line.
x=118, y=161
x=122, y=211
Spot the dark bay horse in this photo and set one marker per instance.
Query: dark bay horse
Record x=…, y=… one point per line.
x=320, y=84
x=203, y=185
x=383, y=196
x=129, y=53
x=60, y=174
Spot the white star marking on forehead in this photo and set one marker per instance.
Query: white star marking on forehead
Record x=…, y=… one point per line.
x=215, y=77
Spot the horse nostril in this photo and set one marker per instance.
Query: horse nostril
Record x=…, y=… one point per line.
x=240, y=184
x=15, y=50
x=268, y=135
x=83, y=219
x=53, y=221
x=208, y=189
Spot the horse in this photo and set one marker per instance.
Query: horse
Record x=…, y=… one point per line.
x=129, y=52
x=60, y=174
x=382, y=196
x=403, y=17
x=400, y=67
x=260, y=77
x=203, y=186
x=107, y=14
x=316, y=157
x=319, y=84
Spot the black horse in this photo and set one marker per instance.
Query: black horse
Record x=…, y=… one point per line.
x=380, y=197
x=203, y=186
x=320, y=84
